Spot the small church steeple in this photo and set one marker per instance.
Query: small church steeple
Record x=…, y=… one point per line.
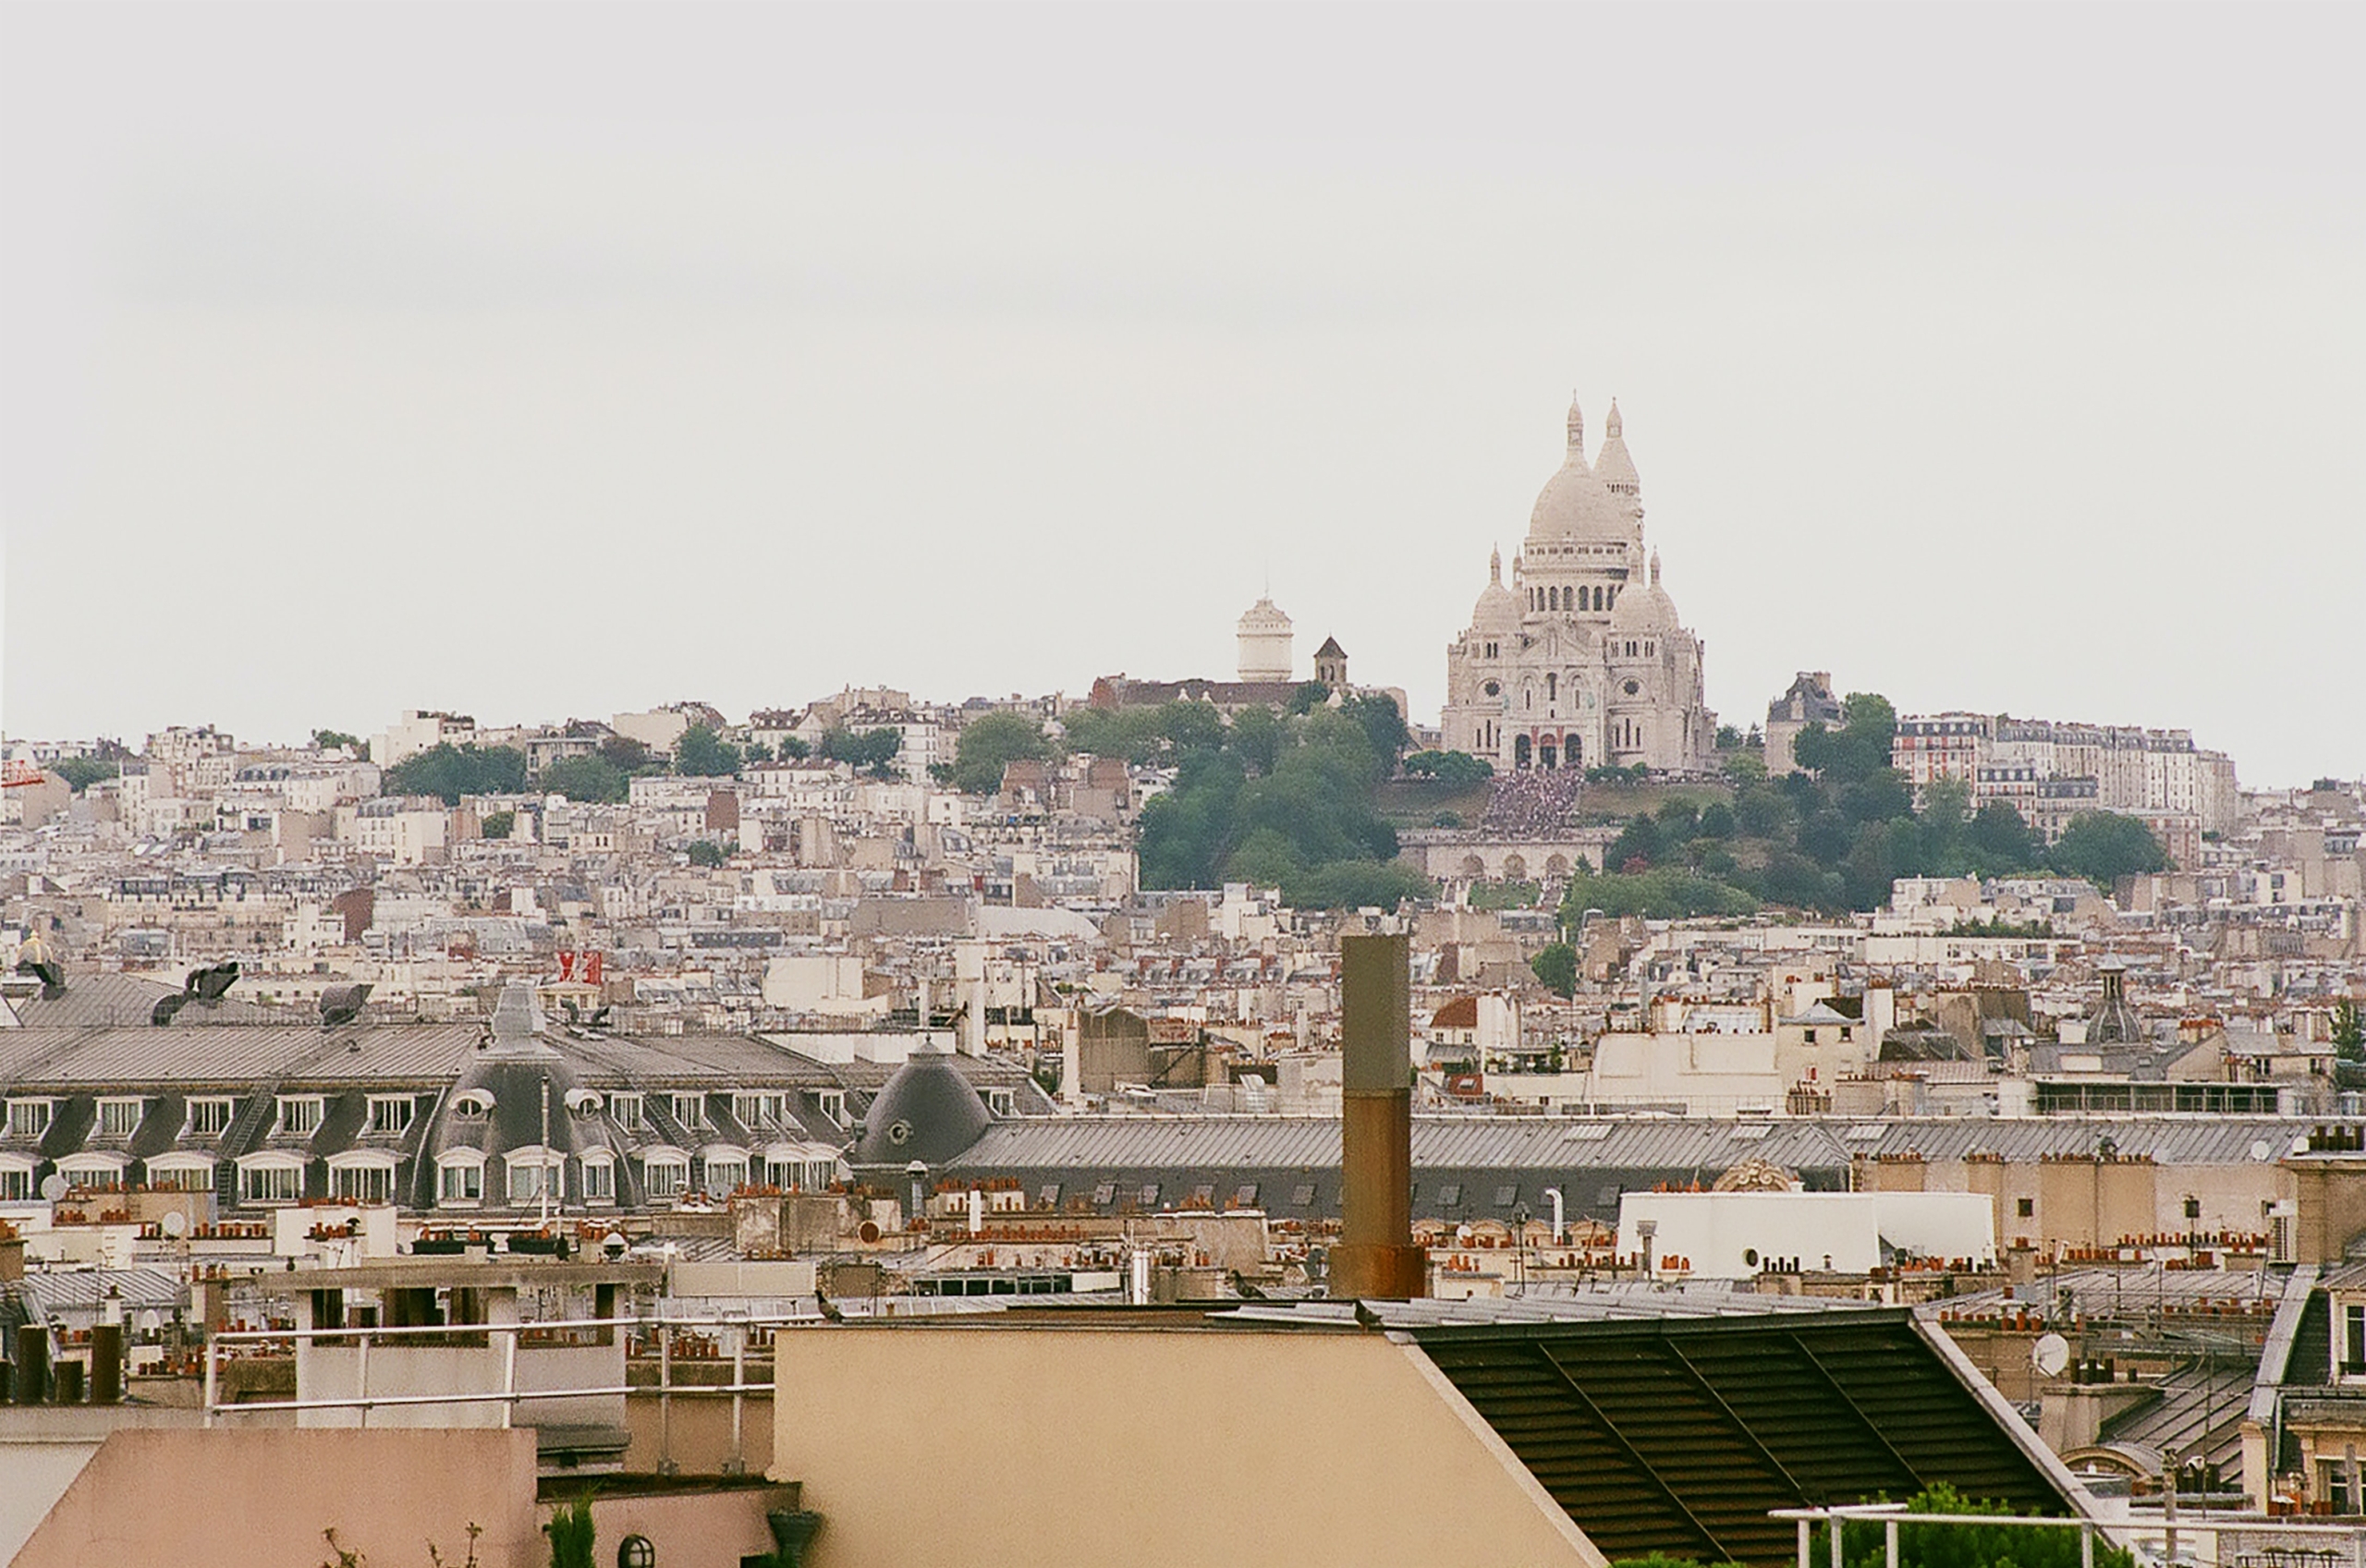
x=1577, y=431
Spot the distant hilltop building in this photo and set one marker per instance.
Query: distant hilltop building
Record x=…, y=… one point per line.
x=1580, y=661
x=1268, y=673
x=1264, y=642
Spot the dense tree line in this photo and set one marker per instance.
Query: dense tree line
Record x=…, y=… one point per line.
x=1834, y=836
x=1279, y=800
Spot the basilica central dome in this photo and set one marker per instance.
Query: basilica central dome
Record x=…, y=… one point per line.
x=1575, y=504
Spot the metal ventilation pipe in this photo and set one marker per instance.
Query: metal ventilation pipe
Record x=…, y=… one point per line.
x=1376, y=1257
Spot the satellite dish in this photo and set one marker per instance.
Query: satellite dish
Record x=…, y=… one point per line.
x=2050, y=1355
x=53, y=1187
x=176, y=1224
x=2259, y=1148
x=870, y=1231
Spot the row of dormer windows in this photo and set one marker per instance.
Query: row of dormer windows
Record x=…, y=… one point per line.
x=300, y=1116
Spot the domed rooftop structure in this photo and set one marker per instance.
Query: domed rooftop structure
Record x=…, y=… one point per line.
x=1644, y=606
x=517, y=1087
x=1575, y=504
x=926, y=1111
x=1498, y=607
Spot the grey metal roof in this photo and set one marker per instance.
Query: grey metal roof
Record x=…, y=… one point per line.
x=1542, y=1143
x=1542, y=1304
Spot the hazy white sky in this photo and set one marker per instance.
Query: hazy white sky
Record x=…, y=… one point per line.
x=550, y=360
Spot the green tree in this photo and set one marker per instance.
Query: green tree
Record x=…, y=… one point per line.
x=593, y=778
x=706, y=853
x=702, y=754
x=792, y=750
x=1190, y=726
x=1455, y=770
x=1309, y=696
x=1638, y=846
x=626, y=755
x=866, y=751
x=1383, y=726
x=757, y=751
x=449, y=771
x=2000, y=840
x=1865, y=1545
x=500, y=824
x=2349, y=1031
x=82, y=772
x=2104, y=846
x=1717, y=821
x=990, y=743
x=329, y=740
x=1557, y=964
x=1255, y=737
x=1662, y=893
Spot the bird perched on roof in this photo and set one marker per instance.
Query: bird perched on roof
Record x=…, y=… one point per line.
x=1247, y=1290
x=1369, y=1318
x=342, y=1004
x=48, y=970
x=210, y=984
x=829, y=1308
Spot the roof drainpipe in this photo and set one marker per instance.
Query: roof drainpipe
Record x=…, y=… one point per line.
x=1376, y=1257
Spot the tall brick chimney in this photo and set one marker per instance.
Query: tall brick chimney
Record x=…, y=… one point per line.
x=1376, y=1257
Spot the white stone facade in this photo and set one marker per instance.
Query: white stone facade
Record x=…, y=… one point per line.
x=1580, y=661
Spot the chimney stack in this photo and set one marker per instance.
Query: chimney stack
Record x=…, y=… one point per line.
x=1376, y=1257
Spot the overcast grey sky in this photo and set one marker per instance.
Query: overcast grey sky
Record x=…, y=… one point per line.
x=544, y=360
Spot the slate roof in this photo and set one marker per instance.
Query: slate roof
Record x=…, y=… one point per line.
x=1678, y=1436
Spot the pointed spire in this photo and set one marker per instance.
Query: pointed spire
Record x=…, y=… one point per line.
x=1655, y=568
x=1577, y=431
x=1612, y=465
x=1495, y=565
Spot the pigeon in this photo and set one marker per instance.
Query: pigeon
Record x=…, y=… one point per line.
x=1247, y=1290
x=210, y=984
x=162, y=1013
x=50, y=972
x=829, y=1308
x=342, y=1004
x=600, y=1017
x=1366, y=1316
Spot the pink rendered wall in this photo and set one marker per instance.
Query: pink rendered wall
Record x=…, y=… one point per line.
x=232, y=1498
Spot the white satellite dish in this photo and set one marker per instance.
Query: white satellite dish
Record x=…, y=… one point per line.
x=2050, y=1355
x=2260, y=1149
x=53, y=1187
x=176, y=1224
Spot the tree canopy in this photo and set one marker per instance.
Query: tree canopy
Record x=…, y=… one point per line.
x=1834, y=836
x=592, y=779
x=82, y=772
x=449, y=771
x=990, y=744
x=1279, y=802
x=866, y=751
x=702, y=754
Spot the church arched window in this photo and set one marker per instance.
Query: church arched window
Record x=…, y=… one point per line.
x=1552, y=688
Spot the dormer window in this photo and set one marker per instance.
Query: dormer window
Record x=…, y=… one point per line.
x=1002, y=1101
x=210, y=1116
x=625, y=1110
x=28, y=1118
x=759, y=1109
x=391, y=1113
x=121, y=1118
x=690, y=1110
x=832, y=1102
x=472, y=1104
x=299, y=1114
